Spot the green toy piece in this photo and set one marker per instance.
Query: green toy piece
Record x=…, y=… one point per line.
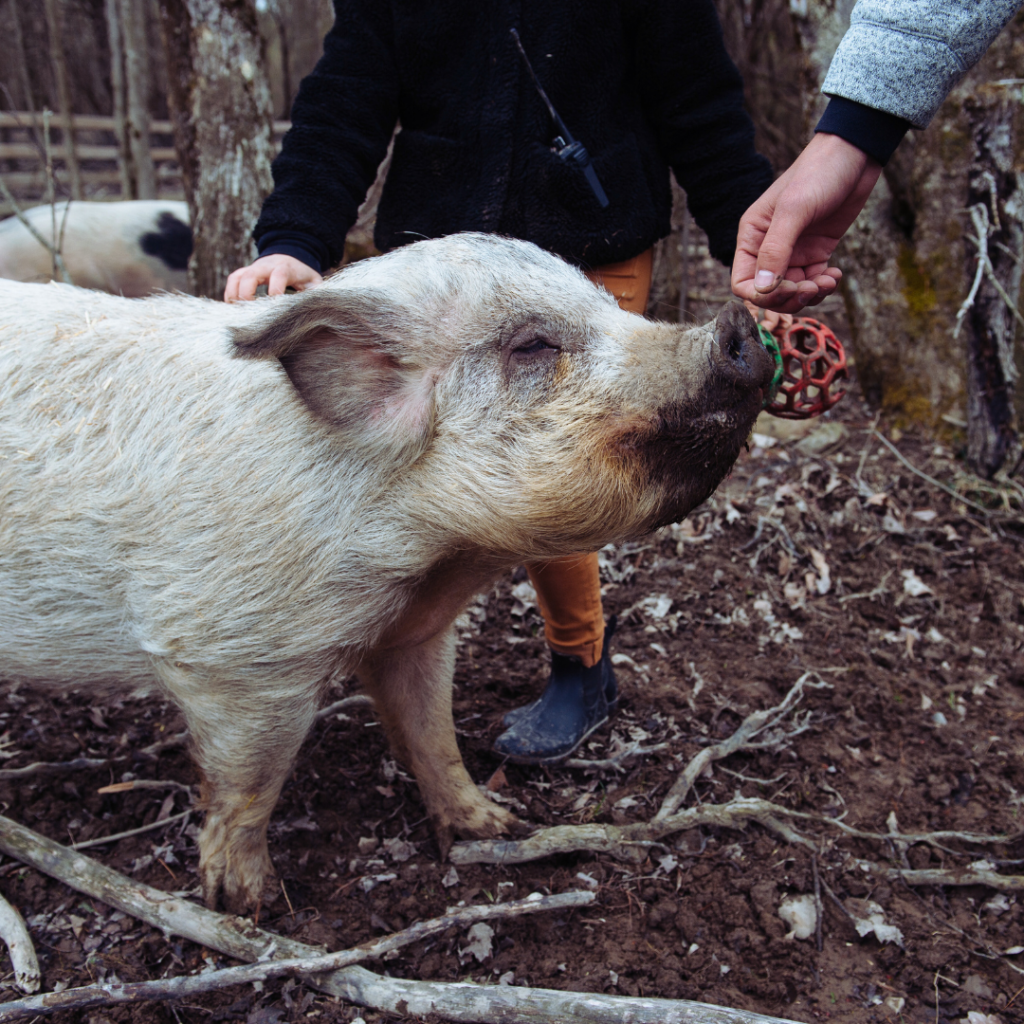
x=771, y=343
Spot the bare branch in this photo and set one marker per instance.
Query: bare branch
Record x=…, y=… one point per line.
x=979, y=218
x=357, y=700
x=968, y=875
x=52, y=250
x=103, y=840
x=630, y=843
x=179, y=739
x=935, y=483
x=19, y=945
x=112, y=993
x=127, y=787
x=753, y=725
x=615, y=761
x=239, y=938
x=51, y=768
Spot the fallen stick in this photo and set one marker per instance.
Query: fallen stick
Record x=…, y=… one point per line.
x=127, y=787
x=357, y=700
x=237, y=937
x=946, y=876
x=469, y=1003
x=169, y=912
x=742, y=739
x=19, y=945
x=52, y=768
x=179, y=739
x=935, y=483
x=615, y=761
x=112, y=993
x=152, y=826
x=629, y=843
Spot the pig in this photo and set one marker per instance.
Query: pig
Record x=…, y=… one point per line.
x=232, y=504
x=130, y=248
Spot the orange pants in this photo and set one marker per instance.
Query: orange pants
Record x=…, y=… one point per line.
x=569, y=589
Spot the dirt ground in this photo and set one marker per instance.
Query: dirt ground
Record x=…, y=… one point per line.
x=821, y=552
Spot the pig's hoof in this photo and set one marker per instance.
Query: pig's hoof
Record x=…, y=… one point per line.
x=238, y=866
x=485, y=821
x=482, y=820
x=520, y=829
x=243, y=894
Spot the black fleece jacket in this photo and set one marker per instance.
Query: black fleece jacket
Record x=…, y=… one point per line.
x=644, y=84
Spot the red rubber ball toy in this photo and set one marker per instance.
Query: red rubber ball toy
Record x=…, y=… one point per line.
x=813, y=362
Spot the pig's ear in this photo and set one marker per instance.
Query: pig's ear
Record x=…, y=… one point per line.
x=348, y=364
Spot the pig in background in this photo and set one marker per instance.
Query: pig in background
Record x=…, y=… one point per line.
x=234, y=503
x=130, y=248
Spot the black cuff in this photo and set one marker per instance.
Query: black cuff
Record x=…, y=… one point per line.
x=873, y=131
x=306, y=248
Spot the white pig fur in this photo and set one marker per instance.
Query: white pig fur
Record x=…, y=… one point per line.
x=233, y=503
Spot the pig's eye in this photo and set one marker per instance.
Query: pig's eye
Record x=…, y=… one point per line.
x=535, y=344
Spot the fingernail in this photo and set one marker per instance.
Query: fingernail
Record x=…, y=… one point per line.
x=764, y=280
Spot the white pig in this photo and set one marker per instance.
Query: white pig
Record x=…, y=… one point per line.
x=129, y=248
x=231, y=504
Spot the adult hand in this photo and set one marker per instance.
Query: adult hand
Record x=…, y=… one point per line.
x=786, y=238
x=769, y=318
x=277, y=272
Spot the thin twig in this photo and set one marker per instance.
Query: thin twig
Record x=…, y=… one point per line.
x=968, y=875
x=935, y=483
x=752, y=726
x=615, y=761
x=179, y=739
x=57, y=258
x=877, y=592
x=357, y=700
x=52, y=767
x=979, y=218
x=819, y=910
x=127, y=787
x=984, y=267
x=103, y=840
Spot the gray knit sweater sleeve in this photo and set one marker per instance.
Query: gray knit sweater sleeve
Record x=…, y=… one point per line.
x=904, y=56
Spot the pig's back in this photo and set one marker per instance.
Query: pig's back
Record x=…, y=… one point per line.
x=154, y=491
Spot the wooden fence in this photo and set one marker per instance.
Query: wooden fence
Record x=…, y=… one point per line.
x=22, y=162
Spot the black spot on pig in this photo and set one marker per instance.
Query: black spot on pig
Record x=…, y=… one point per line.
x=171, y=242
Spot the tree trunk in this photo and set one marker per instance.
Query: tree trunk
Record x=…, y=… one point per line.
x=136, y=83
x=20, y=58
x=281, y=22
x=221, y=111
x=113, y=12
x=55, y=29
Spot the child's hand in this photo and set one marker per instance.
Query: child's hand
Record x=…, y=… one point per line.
x=277, y=272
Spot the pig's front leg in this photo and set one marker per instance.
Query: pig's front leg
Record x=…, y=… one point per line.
x=245, y=736
x=412, y=690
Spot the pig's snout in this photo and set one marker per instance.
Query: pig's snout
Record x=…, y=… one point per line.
x=740, y=360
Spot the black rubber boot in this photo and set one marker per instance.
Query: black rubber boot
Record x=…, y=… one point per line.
x=576, y=701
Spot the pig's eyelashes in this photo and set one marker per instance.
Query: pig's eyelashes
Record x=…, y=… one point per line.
x=534, y=345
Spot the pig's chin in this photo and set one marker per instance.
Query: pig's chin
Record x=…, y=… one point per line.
x=690, y=450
